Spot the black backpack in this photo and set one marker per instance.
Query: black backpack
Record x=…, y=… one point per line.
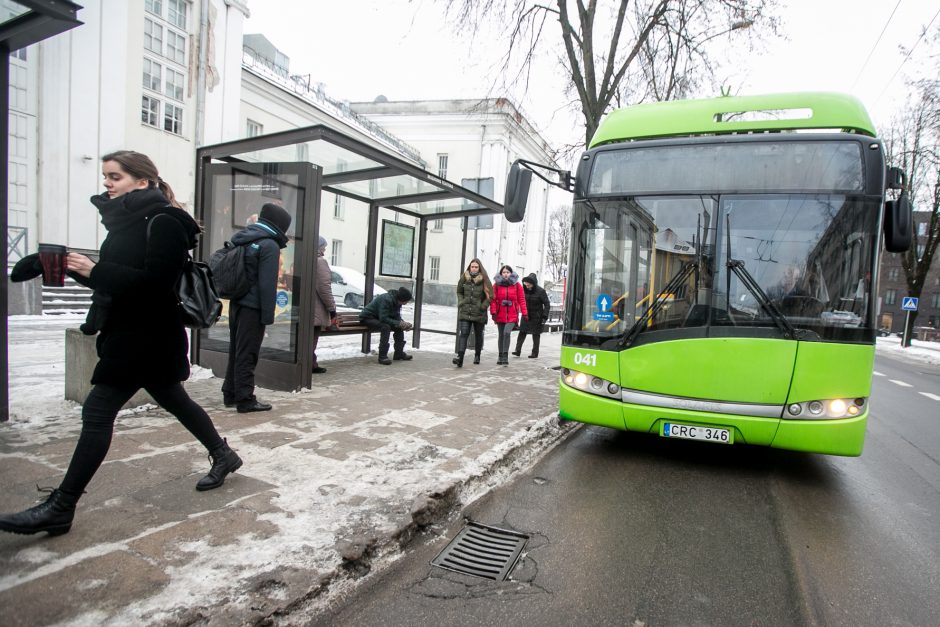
x=200, y=307
x=229, y=270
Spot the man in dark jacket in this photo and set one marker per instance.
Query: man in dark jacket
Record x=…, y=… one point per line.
x=536, y=301
x=248, y=315
x=383, y=314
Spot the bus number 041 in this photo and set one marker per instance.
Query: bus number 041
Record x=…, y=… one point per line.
x=585, y=359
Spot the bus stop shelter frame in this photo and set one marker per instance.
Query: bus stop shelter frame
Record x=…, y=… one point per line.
x=37, y=20
x=366, y=176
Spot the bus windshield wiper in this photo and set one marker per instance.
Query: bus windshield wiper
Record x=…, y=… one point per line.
x=737, y=266
x=654, y=307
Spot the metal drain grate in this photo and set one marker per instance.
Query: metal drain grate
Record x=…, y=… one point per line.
x=482, y=551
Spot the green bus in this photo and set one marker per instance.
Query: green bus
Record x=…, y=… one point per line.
x=723, y=270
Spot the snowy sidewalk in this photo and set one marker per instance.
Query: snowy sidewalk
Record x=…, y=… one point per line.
x=334, y=479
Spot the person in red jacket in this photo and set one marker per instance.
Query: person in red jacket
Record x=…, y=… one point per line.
x=508, y=302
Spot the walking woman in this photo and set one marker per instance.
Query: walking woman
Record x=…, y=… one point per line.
x=538, y=306
x=474, y=293
x=508, y=302
x=141, y=339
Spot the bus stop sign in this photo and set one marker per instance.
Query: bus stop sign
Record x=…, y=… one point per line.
x=909, y=303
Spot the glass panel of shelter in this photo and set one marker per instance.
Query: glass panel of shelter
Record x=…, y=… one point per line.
x=330, y=157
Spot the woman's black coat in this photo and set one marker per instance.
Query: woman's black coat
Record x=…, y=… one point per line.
x=536, y=301
x=141, y=340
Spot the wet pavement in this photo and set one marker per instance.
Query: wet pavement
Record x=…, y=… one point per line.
x=336, y=481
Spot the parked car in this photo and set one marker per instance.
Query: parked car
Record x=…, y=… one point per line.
x=348, y=287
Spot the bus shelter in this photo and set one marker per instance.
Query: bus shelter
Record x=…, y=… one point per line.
x=22, y=23
x=390, y=203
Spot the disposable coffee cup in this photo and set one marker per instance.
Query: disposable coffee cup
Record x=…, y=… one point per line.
x=53, y=258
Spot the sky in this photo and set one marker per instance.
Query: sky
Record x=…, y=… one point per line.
x=408, y=50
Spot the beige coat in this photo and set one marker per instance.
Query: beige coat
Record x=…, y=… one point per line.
x=323, y=302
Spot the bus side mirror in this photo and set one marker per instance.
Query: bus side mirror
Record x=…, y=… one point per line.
x=895, y=179
x=517, y=192
x=898, y=224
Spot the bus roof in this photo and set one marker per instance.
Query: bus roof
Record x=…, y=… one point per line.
x=735, y=114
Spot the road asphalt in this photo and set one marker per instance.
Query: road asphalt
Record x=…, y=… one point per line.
x=337, y=480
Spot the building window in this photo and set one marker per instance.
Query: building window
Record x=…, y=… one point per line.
x=176, y=11
x=161, y=38
x=336, y=252
x=338, y=211
x=173, y=118
x=153, y=75
x=921, y=228
x=438, y=225
x=150, y=111
x=891, y=297
x=153, y=36
x=254, y=129
x=892, y=274
x=18, y=183
x=18, y=85
x=935, y=301
x=435, y=274
x=174, y=84
x=19, y=125
x=176, y=47
x=442, y=166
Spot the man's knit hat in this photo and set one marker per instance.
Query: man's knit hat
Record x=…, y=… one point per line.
x=276, y=216
x=404, y=295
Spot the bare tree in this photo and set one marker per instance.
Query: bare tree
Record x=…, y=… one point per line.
x=604, y=44
x=559, y=236
x=913, y=144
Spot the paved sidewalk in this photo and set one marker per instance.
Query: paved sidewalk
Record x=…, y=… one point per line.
x=335, y=479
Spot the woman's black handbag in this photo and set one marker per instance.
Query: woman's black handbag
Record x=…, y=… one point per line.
x=200, y=307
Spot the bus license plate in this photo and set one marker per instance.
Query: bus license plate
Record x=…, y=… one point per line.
x=696, y=432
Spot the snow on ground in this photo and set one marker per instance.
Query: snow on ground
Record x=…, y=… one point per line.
x=37, y=357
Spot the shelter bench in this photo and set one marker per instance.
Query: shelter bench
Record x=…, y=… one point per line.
x=554, y=322
x=348, y=324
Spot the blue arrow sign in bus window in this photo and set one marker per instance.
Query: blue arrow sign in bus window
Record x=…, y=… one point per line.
x=603, y=313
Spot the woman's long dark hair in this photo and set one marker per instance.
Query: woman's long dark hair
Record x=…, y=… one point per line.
x=140, y=166
x=487, y=284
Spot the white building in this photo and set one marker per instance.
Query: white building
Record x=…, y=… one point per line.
x=476, y=140
x=158, y=77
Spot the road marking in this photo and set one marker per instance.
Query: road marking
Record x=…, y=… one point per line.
x=901, y=383
x=933, y=396
x=878, y=374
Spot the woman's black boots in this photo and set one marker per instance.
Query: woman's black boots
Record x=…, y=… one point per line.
x=476, y=357
x=224, y=461
x=54, y=516
x=458, y=360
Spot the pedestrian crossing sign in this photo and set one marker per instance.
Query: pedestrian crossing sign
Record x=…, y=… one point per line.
x=909, y=303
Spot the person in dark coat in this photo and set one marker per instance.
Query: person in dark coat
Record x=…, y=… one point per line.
x=383, y=314
x=474, y=292
x=538, y=305
x=141, y=342
x=508, y=302
x=248, y=315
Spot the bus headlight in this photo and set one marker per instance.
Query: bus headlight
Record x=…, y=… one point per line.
x=590, y=383
x=826, y=409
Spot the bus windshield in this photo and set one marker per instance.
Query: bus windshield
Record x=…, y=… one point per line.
x=662, y=266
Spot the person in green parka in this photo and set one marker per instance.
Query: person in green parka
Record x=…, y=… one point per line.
x=474, y=292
